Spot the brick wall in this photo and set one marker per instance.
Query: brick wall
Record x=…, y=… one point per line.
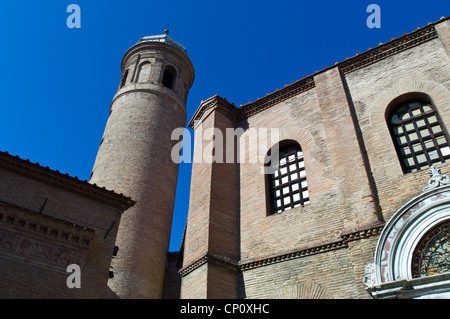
x=212, y=228
x=422, y=69
x=354, y=177
x=38, y=242
x=355, y=181
x=340, y=193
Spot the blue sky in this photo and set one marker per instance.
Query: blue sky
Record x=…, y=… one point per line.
x=57, y=83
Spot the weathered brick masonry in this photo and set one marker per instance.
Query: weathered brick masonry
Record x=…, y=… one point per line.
x=49, y=221
x=235, y=245
x=355, y=181
x=135, y=157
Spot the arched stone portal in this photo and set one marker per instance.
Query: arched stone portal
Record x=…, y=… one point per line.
x=393, y=273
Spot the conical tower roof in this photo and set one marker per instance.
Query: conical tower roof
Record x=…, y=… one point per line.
x=163, y=38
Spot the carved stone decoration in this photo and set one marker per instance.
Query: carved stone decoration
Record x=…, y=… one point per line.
x=437, y=179
x=18, y=246
x=42, y=240
x=369, y=279
x=391, y=275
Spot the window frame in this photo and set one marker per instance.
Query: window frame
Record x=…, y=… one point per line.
x=438, y=233
x=124, y=79
x=283, y=170
x=418, y=146
x=169, y=77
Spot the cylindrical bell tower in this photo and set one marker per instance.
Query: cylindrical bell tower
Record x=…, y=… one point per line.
x=135, y=158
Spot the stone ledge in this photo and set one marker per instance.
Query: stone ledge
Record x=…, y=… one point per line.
x=212, y=258
x=313, y=250
x=365, y=231
x=430, y=287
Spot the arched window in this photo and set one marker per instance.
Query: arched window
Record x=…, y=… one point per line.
x=432, y=255
x=169, y=77
x=144, y=72
x=415, y=243
x=418, y=134
x=286, y=185
x=124, y=79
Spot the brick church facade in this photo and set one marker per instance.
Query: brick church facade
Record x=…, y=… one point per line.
x=246, y=239
x=336, y=188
